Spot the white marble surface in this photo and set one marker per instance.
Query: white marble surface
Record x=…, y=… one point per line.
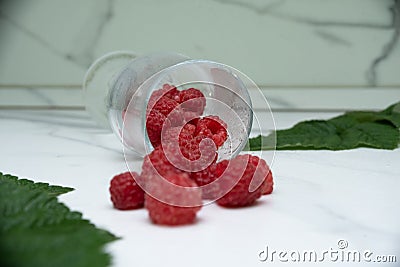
x=344, y=47
x=320, y=197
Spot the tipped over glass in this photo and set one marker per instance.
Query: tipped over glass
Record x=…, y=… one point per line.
x=117, y=88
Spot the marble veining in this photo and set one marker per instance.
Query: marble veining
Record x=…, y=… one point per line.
x=332, y=37
x=33, y=35
x=272, y=9
x=388, y=47
x=57, y=123
x=43, y=98
x=86, y=41
x=82, y=54
x=79, y=140
x=330, y=46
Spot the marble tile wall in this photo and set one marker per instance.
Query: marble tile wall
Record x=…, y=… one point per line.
x=304, y=54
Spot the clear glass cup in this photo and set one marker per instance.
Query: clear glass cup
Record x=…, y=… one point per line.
x=117, y=88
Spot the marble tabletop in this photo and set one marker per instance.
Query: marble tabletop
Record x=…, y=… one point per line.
x=326, y=202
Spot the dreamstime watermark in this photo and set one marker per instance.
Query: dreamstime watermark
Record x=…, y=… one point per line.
x=341, y=253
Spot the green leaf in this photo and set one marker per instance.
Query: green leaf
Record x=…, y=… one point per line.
x=37, y=230
x=370, y=134
x=396, y=108
x=53, y=190
x=348, y=131
x=393, y=112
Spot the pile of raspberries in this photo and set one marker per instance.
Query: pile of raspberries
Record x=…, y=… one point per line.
x=182, y=170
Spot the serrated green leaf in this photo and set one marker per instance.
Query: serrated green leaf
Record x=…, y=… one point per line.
x=350, y=130
x=76, y=243
x=396, y=108
x=53, y=190
x=368, y=134
x=37, y=230
x=309, y=134
x=381, y=117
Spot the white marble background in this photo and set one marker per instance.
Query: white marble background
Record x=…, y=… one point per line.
x=319, y=197
x=308, y=54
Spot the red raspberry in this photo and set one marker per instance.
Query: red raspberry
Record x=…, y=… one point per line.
x=154, y=125
x=125, y=193
x=269, y=185
x=156, y=163
x=189, y=129
x=212, y=127
x=255, y=173
x=195, y=131
x=165, y=105
x=190, y=148
x=173, y=205
x=167, y=91
x=181, y=134
x=205, y=177
x=154, y=97
x=189, y=115
x=200, y=154
x=197, y=100
x=170, y=109
x=189, y=144
x=171, y=92
x=166, y=158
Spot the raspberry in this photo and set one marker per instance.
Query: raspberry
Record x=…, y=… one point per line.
x=125, y=192
x=255, y=171
x=177, y=107
x=205, y=177
x=269, y=185
x=195, y=131
x=155, y=96
x=167, y=91
x=154, y=125
x=170, y=109
x=212, y=127
x=167, y=158
x=171, y=92
x=190, y=145
x=192, y=100
x=181, y=134
x=173, y=205
x=165, y=105
x=189, y=115
x=156, y=163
